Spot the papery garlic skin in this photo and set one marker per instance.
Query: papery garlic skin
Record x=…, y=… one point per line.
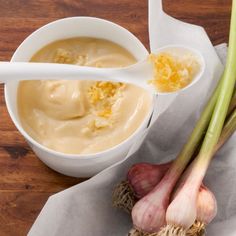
x=206, y=205
x=183, y=215
x=145, y=222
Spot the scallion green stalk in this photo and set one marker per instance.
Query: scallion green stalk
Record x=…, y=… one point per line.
x=228, y=130
x=232, y=104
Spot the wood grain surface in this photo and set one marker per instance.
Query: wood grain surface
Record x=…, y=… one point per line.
x=25, y=182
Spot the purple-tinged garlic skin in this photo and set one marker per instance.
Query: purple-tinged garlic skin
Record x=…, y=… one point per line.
x=143, y=177
x=148, y=214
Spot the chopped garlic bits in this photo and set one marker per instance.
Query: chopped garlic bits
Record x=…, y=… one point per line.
x=173, y=71
x=82, y=116
x=103, y=95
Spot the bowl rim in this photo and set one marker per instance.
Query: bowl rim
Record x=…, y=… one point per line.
x=56, y=154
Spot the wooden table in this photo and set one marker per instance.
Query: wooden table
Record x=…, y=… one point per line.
x=25, y=182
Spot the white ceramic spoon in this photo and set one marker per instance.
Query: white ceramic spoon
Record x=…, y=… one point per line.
x=138, y=74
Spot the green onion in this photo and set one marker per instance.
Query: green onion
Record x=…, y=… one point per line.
x=181, y=213
x=160, y=195
x=143, y=177
x=228, y=130
x=232, y=105
x=204, y=214
x=149, y=214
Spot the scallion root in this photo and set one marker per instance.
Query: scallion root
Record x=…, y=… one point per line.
x=171, y=230
x=197, y=229
x=123, y=197
x=135, y=232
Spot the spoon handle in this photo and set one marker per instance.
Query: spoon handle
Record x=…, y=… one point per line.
x=16, y=71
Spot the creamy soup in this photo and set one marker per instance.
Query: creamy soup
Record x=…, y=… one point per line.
x=82, y=117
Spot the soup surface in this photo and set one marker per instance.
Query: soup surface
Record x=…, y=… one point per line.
x=82, y=117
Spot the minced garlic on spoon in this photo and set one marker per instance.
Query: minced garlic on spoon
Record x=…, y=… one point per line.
x=173, y=70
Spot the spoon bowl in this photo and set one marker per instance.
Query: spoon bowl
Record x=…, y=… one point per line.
x=181, y=50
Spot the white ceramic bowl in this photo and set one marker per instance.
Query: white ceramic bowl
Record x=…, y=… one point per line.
x=75, y=165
